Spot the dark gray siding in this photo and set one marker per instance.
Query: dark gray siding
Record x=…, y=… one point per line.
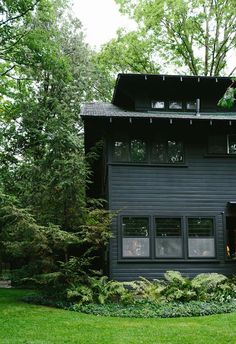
x=202, y=187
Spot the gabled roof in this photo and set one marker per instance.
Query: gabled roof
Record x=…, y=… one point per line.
x=107, y=110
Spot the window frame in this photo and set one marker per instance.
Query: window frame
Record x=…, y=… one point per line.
x=226, y=153
x=214, y=237
x=176, y=101
x=128, y=141
x=227, y=143
x=165, y=141
x=158, y=101
x=121, y=237
x=146, y=160
x=185, y=258
x=182, y=236
x=149, y=149
x=188, y=102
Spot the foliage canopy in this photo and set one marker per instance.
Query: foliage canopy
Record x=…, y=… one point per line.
x=197, y=36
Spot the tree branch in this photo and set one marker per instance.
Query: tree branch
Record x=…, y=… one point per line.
x=8, y=70
x=21, y=14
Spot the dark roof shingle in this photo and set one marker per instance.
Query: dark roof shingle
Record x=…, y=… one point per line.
x=109, y=110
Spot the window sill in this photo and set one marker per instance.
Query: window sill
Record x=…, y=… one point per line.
x=169, y=260
x=228, y=156
x=145, y=164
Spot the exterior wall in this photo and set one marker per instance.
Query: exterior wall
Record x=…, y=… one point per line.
x=203, y=186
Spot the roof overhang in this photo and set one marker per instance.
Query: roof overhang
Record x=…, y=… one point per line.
x=107, y=110
x=128, y=86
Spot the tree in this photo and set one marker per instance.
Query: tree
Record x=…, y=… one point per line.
x=42, y=164
x=197, y=36
x=128, y=52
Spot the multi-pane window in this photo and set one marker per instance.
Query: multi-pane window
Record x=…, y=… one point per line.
x=162, y=151
x=157, y=104
x=172, y=238
x=174, y=105
x=222, y=144
x=167, y=151
x=201, y=240
x=134, y=150
x=135, y=237
x=169, y=243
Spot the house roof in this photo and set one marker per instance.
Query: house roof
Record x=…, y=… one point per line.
x=130, y=86
x=108, y=110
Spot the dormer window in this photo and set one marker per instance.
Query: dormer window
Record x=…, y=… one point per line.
x=175, y=105
x=158, y=104
x=191, y=105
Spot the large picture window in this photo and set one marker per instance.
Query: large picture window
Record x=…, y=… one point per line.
x=168, y=238
x=201, y=240
x=135, y=237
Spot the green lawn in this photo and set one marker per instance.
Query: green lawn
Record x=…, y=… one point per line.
x=23, y=323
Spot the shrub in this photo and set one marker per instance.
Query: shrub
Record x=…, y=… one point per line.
x=177, y=288
x=146, y=290
x=213, y=286
x=100, y=291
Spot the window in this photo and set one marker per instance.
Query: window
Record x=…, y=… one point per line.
x=231, y=237
x=231, y=144
x=135, y=237
x=175, y=105
x=168, y=238
x=173, y=237
x=162, y=151
x=134, y=150
x=217, y=144
x=222, y=144
x=158, y=104
x=120, y=150
x=201, y=241
x=167, y=151
x=191, y=105
x=138, y=150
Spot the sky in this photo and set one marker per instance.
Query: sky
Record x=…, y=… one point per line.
x=100, y=19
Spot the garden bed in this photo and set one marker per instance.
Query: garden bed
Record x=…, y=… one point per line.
x=141, y=309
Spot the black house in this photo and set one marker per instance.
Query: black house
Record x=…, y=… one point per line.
x=169, y=168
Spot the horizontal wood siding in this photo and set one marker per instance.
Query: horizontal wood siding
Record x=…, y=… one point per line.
x=202, y=188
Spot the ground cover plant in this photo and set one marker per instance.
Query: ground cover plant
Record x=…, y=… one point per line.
x=26, y=323
x=176, y=296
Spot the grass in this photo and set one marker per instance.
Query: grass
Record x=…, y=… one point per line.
x=22, y=323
